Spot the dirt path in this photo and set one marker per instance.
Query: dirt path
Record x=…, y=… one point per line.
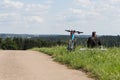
x=32, y=65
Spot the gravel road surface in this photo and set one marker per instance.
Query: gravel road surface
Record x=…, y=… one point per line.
x=33, y=65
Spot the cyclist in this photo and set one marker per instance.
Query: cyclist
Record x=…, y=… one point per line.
x=72, y=41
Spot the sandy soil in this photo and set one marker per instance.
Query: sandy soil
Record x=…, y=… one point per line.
x=32, y=65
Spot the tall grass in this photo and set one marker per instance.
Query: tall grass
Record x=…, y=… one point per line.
x=103, y=65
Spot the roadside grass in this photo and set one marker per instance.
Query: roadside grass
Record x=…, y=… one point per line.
x=101, y=64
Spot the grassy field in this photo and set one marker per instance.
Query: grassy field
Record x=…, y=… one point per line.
x=100, y=64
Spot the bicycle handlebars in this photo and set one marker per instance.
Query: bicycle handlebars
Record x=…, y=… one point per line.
x=74, y=31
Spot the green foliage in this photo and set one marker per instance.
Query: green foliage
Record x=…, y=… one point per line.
x=26, y=43
x=102, y=64
x=8, y=44
x=107, y=41
x=111, y=41
x=13, y=43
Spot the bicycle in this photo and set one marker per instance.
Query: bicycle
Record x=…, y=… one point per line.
x=72, y=42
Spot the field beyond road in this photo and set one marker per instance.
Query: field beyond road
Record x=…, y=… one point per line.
x=32, y=65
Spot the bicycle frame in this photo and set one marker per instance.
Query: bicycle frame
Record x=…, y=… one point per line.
x=72, y=43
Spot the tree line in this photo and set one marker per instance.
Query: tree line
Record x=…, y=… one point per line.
x=107, y=41
x=28, y=43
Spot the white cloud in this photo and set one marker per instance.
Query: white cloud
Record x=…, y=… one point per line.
x=13, y=4
x=36, y=19
x=23, y=13
x=84, y=13
x=94, y=13
x=97, y=7
x=49, y=2
x=115, y=1
x=3, y=15
x=76, y=11
x=37, y=8
x=11, y=19
x=84, y=3
x=31, y=8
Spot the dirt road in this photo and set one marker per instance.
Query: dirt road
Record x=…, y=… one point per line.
x=32, y=65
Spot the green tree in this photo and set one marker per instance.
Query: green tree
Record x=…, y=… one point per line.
x=9, y=44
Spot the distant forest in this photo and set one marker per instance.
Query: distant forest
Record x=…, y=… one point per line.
x=24, y=43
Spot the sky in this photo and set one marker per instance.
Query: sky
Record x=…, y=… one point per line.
x=54, y=16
